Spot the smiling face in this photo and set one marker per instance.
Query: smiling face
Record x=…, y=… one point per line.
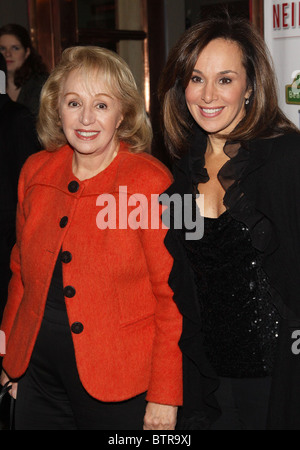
x=217, y=91
x=90, y=114
x=13, y=51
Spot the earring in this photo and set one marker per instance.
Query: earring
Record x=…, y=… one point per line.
x=247, y=101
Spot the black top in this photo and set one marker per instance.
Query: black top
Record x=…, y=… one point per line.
x=29, y=95
x=262, y=185
x=239, y=321
x=18, y=140
x=56, y=299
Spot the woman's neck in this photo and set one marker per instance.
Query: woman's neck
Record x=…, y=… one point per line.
x=215, y=145
x=87, y=166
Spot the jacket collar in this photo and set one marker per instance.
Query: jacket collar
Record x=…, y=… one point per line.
x=245, y=158
x=57, y=173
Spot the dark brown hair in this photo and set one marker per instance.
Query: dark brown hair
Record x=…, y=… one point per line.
x=263, y=115
x=33, y=64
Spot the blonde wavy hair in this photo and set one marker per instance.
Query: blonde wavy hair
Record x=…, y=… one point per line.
x=135, y=129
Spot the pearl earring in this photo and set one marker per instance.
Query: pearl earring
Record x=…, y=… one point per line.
x=247, y=101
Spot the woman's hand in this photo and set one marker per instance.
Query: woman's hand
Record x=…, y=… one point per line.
x=4, y=379
x=160, y=417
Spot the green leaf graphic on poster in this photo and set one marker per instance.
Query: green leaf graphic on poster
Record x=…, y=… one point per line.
x=292, y=92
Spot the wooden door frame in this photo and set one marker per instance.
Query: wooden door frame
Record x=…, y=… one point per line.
x=53, y=27
x=256, y=8
x=157, y=59
x=51, y=32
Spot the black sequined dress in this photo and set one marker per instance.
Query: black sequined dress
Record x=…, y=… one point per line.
x=240, y=324
x=262, y=187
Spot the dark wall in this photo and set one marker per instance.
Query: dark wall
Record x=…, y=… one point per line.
x=14, y=11
x=199, y=9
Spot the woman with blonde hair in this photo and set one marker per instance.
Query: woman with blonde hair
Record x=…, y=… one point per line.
x=91, y=327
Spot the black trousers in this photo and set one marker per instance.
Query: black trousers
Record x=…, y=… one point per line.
x=244, y=403
x=51, y=396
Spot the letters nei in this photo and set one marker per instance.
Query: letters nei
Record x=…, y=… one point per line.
x=286, y=15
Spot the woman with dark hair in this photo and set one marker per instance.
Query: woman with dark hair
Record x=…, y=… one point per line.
x=238, y=157
x=25, y=69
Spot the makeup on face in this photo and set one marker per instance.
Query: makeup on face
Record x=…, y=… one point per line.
x=216, y=93
x=90, y=115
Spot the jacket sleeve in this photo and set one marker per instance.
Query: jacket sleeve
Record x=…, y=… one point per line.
x=15, y=289
x=166, y=375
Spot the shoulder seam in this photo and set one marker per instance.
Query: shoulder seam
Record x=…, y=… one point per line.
x=151, y=160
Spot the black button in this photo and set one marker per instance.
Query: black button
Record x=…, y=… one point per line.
x=73, y=187
x=77, y=327
x=69, y=292
x=252, y=286
x=64, y=222
x=66, y=257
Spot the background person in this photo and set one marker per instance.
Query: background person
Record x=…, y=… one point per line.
x=238, y=287
x=18, y=140
x=26, y=72
x=92, y=329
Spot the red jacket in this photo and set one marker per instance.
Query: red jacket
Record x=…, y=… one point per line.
x=127, y=340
